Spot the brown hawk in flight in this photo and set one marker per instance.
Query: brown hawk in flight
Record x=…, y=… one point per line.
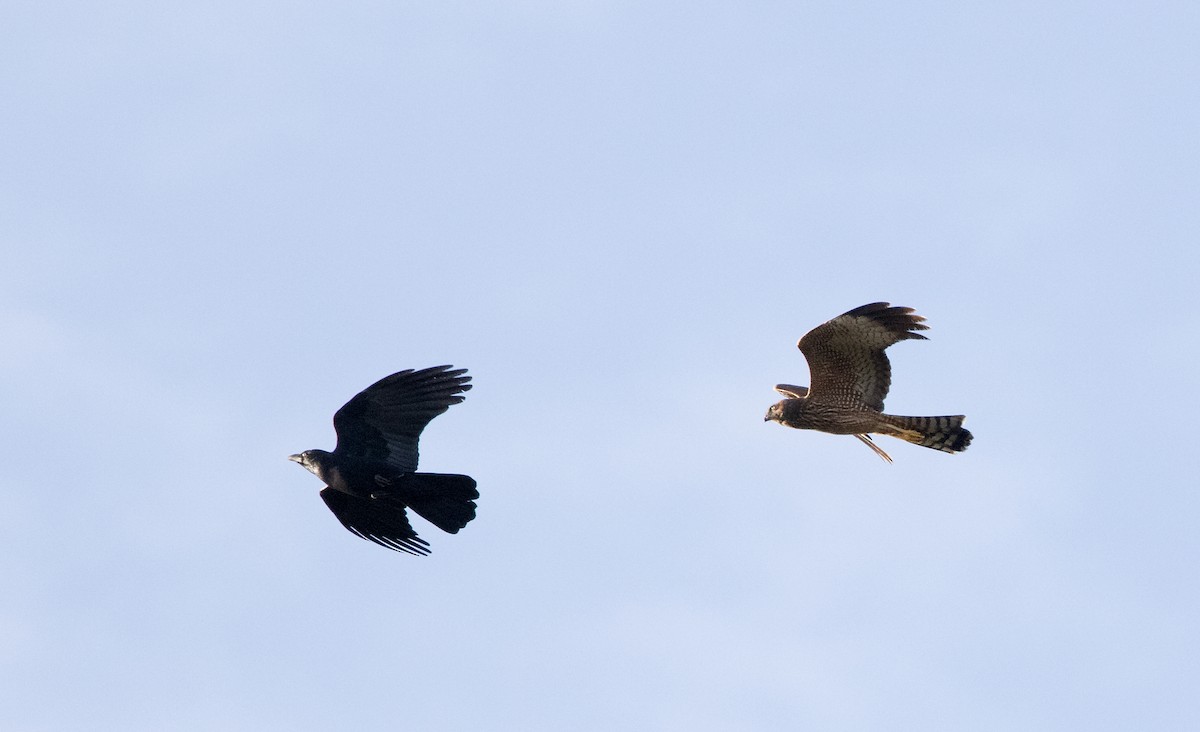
x=850, y=377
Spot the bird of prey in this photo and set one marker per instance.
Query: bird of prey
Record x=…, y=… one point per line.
x=371, y=475
x=850, y=377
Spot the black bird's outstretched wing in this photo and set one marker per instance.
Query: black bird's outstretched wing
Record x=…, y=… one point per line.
x=383, y=422
x=385, y=523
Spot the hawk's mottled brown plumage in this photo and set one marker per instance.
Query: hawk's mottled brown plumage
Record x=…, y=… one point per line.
x=851, y=376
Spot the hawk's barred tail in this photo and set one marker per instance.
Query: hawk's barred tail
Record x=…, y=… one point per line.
x=940, y=433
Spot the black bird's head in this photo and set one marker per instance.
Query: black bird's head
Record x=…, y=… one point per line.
x=311, y=460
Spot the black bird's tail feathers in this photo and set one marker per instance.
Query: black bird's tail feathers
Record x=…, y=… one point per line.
x=445, y=500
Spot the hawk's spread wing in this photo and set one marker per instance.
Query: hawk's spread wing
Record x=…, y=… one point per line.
x=380, y=521
x=846, y=358
x=383, y=422
x=792, y=392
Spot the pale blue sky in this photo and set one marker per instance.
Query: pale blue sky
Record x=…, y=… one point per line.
x=220, y=222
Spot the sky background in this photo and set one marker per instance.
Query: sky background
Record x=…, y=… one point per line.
x=220, y=221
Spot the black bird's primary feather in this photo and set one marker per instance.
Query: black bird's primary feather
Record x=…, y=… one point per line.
x=371, y=474
x=385, y=525
x=383, y=421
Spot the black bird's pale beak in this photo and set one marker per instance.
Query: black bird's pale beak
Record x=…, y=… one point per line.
x=294, y=458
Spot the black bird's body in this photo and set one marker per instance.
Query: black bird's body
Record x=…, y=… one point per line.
x=371, y=475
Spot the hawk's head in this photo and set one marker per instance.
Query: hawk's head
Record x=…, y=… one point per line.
x=786, y=412
x=775, y=413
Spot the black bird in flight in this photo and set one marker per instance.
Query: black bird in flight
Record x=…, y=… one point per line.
x=371, y=474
